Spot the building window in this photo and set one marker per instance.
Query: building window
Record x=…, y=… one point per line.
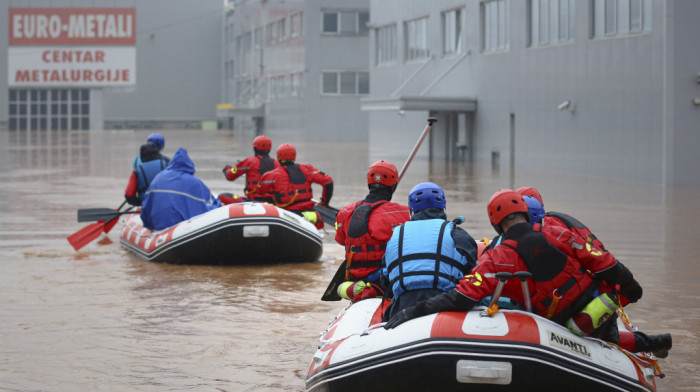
x=344, y=83
x=336, y=22
x=495, y=25
x=386, y=44
x=620, y=17
x=551, y=21
x=295, y=24
x=416, y=32
x=452, y=32
x=270, y=33
x=43, y=109
x=277, y=87
x=281, y=30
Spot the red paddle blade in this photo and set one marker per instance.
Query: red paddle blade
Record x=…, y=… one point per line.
x=108, y=226
x=86, y=235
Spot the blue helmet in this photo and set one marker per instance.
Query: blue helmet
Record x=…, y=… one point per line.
x=426, y=195
x=157, y=139
x=536, y=210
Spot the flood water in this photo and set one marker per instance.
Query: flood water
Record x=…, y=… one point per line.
x=102, y=319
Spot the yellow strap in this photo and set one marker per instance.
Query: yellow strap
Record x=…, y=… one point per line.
x=296, y=193
x=347, y=267
x=553, y=305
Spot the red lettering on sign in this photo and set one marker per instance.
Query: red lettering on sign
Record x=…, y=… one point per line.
x=72, y=26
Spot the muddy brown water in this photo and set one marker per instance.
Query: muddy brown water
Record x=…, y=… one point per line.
x=101, y=319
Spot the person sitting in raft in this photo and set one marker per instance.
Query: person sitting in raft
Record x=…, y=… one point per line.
x=573, y=284
x=176, y=195
x=364, y=227
x=290, y=185
x=253, y=168
x=159, y=141
x=151, y=163
x=427, y=255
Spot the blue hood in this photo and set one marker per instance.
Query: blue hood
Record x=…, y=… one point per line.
x=181, y=162
x=176, y=195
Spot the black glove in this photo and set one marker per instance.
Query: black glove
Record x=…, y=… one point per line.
x=226, y=169
x=401, y=317
x=632, y=291
x=133, y=200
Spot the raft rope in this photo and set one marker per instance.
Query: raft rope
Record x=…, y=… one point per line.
x=630, y=327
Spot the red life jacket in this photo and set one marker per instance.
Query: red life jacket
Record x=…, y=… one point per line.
x=293, y=187
x=363, y=252
x=562, y=283
x=253, y=168
x=571, y=223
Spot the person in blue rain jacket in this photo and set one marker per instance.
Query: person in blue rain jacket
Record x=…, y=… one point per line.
x=176, y=195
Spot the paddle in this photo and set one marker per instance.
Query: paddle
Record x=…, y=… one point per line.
x=99, y=214
x=90, y=232
x=87, y=234
x=328, y=213
x=331, y=293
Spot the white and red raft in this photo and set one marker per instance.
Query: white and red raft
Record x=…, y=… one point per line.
x=236, y=234
x=468, y=351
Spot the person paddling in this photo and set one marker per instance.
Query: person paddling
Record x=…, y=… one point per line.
x=150, y=164
x=253, y=168
x=364, y=227
x=290, y=185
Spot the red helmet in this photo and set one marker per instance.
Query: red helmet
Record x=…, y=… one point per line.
x=286, y=152
x=262, y=143
x=382, y=172
x=503, y=203
x=530, y=191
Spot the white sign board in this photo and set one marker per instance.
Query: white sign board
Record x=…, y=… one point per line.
x=71, y=66
x=62, y=47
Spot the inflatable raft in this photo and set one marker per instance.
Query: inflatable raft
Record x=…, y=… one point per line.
x=235, y=234
x=468, y=351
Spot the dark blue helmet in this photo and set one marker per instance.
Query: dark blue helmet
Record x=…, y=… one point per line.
x=536, y=209
x=157, y=139
x=426, y=195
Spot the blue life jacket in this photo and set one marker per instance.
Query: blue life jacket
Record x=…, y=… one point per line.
x=146, y=172
x=422, y=255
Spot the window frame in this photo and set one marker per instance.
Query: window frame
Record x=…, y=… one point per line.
x=357, y=28
x=614, y=18
x=386, y=55
x=497, y=38
x=412, y=33
x=560, y=24
x=459, y=31
x=338, y=91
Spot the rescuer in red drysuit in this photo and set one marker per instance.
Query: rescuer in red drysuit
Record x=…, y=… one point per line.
x=561, y=219
x=364, y=227
x=253, y=168
x=290, y=185
x=568, y=278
